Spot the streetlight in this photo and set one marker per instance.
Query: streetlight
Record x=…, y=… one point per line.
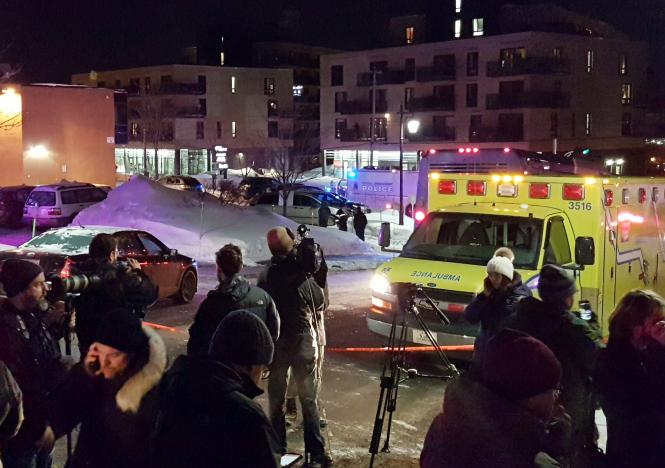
x=412, y=126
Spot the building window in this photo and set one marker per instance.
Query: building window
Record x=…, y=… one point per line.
x=234, y=129
x=408, y=94
x=409, y=34
x=268, y=86
x=340, y=99
x=272, y=108
x=135, y=129
x=589, y=61
x=472, y=95
x=233, y=85
x=297, y=90
x=478, y=26
x=203, y=107
x=475, y=126
x=557, y=52
x=337, y=75
x=458, y=6
x=409, y=69
x=340, y=127
x=626, y=93
x=626, y=124
x=219, y=129
x=200, y=131
x=380, y=127
x=458, y=28
x=587, y=124
x=472, y=64
x=221, y=58
x=273, y=129
x=147, y=85
x=623, y=64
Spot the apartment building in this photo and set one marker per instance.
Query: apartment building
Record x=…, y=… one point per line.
x=575, y=88
x=180, y=113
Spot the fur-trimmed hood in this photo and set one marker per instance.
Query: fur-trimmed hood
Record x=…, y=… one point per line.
x=129, y=396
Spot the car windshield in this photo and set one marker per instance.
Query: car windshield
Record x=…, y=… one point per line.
x=41, y=198
x=469, y=238
x=65, y=241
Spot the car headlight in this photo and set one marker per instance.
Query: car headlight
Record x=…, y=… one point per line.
x=380, y=284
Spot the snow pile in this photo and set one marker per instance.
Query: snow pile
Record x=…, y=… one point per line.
x=176, y=218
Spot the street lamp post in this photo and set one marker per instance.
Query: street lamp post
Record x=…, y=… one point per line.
x=412, y=126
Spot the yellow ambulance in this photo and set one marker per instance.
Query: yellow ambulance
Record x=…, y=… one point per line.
x=608, y=229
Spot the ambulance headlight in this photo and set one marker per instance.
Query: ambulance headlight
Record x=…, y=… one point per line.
x=380, y=284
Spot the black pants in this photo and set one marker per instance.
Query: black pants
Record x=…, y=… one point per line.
x=360, y=233
x=299, y=353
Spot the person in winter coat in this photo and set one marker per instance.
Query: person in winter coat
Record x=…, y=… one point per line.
x=575, y=342
x=630, y=378
x=234, y=292
x=29, y=348
x=123, y=285
x=359, y=223
x=324, y=214
x=508, y=418
x=112, y=394
x=207, y=416
x=503, y=289
x=11, y=406
x=342, y=219
x=298, y=298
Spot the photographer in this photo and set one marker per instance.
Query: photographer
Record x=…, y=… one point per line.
x=30, y=350
x=298, y=298
x=122, y=285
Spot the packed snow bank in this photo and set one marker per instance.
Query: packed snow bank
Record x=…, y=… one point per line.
x=175, y=217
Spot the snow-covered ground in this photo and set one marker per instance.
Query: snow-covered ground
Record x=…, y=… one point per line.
x=176, y=218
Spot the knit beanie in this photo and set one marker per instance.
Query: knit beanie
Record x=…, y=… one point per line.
x=501, y=265
x=518, y=366
x=16, y=275
x=280, y=242
x=555, y=284
x=121, y=329
x=242, y=338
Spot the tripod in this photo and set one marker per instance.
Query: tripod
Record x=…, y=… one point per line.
x=394, y=365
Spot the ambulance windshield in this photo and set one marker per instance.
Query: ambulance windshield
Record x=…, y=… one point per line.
x=470, y=238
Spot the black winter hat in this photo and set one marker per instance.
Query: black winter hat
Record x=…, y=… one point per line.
x=16, y=275
x=121, y=329
x=555, y=284
x=242, y=338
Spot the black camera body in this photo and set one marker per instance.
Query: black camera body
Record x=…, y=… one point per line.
x=308, y=253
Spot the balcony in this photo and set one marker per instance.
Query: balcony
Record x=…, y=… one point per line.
x=383, y=77
x=528, y=99
x=363, y=106
x=491, y=134
x=433, y=134
x=529, y=66
x=191, y=112
x=181, y=88
x=435, y=74
x=354, y=134
x=431, y=103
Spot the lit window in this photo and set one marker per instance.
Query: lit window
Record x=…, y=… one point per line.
x=557, y=52
x=297, y=90
x=458, y=6
x=478, y=26
x=234, y=129
x=587, y=124
x=221, y=58
x=409, y=34
x=626, y=124
x=233, y=84
x=268, y=86
x=458, y=28
x=589, y=61
x=626, y=93
x=623, y=64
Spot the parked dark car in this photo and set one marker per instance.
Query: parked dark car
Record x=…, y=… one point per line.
x=12, y=200
x=252, y=186
x=333, y=199
x=57, y=250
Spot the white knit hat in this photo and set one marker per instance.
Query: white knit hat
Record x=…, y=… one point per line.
x=501, y=265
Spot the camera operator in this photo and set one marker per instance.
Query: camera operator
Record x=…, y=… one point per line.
x=298, y=297
x=122, y=285
x=30, y=350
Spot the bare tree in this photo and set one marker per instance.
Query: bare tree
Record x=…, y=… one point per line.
x=287, y=170
x=10, y=111
x=156, y=115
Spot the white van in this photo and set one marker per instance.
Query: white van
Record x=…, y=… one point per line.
x=58, y=204
x=301, y=207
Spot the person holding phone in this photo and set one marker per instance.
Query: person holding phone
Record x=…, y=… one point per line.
x=629, y=377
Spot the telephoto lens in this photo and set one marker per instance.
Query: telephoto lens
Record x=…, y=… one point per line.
x=77, y=283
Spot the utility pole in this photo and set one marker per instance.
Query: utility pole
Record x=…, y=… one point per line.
x=372, y=120
x=401, y=163
x=145, y=154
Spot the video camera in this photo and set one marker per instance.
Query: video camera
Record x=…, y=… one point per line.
x=308, y=253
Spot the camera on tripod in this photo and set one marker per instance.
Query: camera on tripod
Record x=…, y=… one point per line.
x=308, y=252
x=60, y=287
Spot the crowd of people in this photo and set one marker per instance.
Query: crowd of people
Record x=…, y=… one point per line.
x=539, y=372
x=341, y=218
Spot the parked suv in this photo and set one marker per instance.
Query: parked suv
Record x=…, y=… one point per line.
x=58, y=204
x=182, y=183
x=12, y=200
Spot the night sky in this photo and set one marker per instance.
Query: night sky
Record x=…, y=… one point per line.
x=52, y=39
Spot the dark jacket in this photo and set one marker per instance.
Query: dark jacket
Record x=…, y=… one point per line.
x=479, y=429
x=324, y=215
x=231, y=295
x=32, y=354
x=342, y=219
x=296, y=295
x=630, y=384
x=116, y=416
x=11, y=405
x=359, y=220
x=119, y=287
x=207, y=419
x=491, y=311
x=575, y=344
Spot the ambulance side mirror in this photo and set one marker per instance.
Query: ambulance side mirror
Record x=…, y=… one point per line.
x=585, y=251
